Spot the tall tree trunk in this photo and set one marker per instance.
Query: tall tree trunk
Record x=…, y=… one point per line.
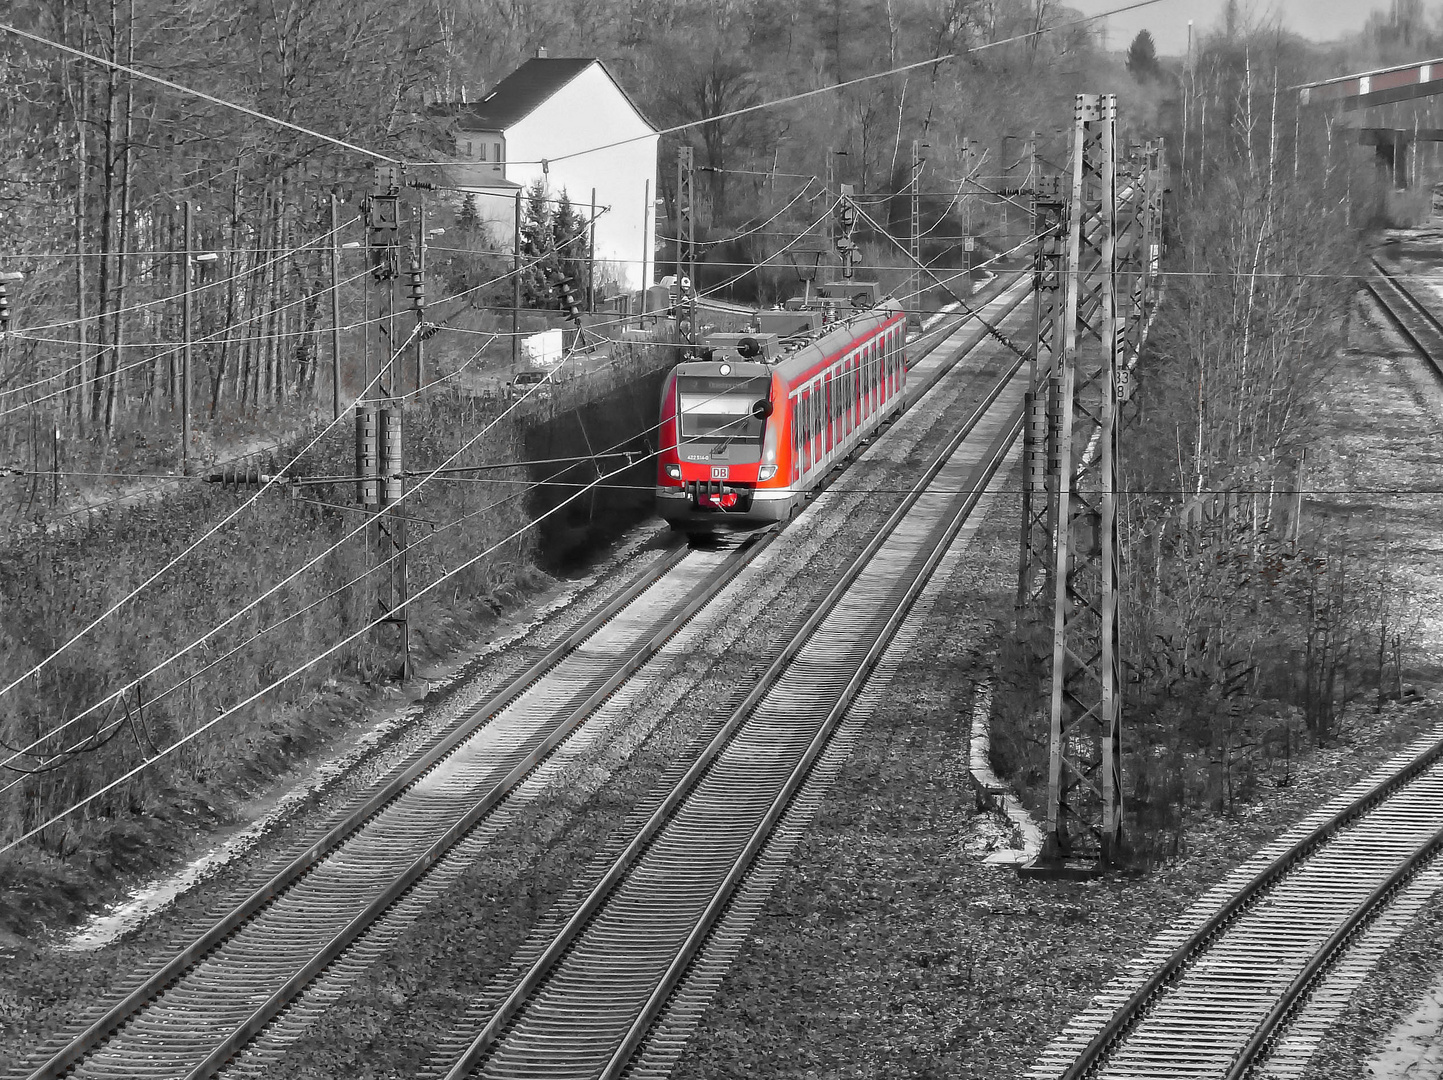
x=116, y=389
x=79, y=104
x=218, y=376
x=101, y=401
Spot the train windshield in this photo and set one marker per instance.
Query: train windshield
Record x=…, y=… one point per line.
x=721, y=409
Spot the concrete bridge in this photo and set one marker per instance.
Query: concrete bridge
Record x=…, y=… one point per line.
x=1397, y=109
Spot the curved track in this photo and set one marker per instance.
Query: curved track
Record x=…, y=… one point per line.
x=1223, y=998
x=1414, y=320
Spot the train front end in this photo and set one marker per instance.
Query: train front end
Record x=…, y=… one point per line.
x=721, y=436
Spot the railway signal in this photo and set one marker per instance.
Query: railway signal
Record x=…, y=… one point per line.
x=847, y=222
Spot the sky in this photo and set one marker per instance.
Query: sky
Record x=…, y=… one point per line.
x=1321, y=20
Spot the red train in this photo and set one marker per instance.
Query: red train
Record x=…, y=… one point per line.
x=752, y=422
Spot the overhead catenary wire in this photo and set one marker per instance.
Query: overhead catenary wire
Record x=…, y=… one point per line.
x=48, y=659
x=748, y=232
x=221, y=335
x=599, y=480
x=8, y=763
x=173, y=297
x=36, y=668
x=305, y=666
x=274, y=588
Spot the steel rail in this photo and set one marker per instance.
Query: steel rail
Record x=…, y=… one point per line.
x=1095, y=1053
x=362, y=921
x=156, y=984
x=656, y=1003
x=1430, y=321
x=586, y=913
x=1256, y=1048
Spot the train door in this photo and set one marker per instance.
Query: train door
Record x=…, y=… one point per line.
x=854, y=384
x=797, y=438
x=867, y=403
x=805, y=433
x=891, y=362
x=858, y=366
x=830, y=413
x=816, y=426
x=876, y=374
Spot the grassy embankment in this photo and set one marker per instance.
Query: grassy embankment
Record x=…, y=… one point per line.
x=54, y=583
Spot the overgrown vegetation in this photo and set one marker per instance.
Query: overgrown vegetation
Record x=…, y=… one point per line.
x=1253, y=613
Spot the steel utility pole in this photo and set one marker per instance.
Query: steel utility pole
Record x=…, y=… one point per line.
x=335, y=308
x=418, y=287
x=591, y=256
x=685, y=213
x=516, y=288
x=186, y=334
x=378, y=432
x=1039, y=432
x=914, y=248
x=1084, y=796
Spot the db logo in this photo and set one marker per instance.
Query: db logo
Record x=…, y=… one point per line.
x=719, y=472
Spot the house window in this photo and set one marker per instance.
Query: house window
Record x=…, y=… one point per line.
x=466, y=148
x=497, y=148
x=482, y=148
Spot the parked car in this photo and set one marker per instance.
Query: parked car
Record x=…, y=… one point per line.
x=525, y=382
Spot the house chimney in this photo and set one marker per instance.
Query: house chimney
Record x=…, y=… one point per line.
x=541, y=52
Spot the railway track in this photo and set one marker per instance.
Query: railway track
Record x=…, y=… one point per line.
x=1413, y=319
x=206, y=1003
x=1221, y=1001
x=586, y=1005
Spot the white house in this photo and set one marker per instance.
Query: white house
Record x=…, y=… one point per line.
x=569, y=123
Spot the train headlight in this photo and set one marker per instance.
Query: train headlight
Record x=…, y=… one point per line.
x=766, y=472
x=674, y=471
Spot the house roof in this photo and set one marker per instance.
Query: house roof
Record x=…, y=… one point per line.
x=526, y=88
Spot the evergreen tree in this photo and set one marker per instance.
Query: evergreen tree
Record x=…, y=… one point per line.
x=569, y=232
x=538, y=251
x=468, y=218
x=1142, y=57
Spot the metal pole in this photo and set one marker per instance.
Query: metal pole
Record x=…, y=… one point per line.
x=680, y=198
x=421, y=267
x=691, y=222
x=516, y=289
x=80, y=319
x=335, y=309
x=915, y=246
x=185, y=330
x=591, y=258
x=646, y=209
